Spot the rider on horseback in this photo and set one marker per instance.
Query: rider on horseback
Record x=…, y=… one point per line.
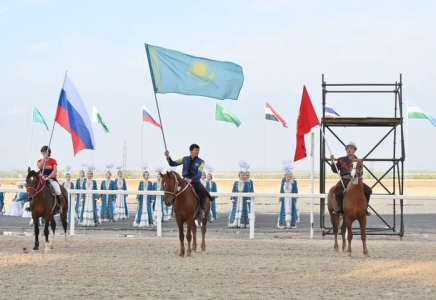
x=344, y=166
x=192, y=170
x=49, y=169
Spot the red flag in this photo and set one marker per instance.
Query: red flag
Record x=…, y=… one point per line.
x=307, y=119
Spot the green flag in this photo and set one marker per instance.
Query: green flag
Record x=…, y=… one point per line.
x=37, y=117
x=224, y=115
x=96, y=118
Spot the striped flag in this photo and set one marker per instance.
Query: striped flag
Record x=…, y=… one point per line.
x=71, y=114
x=414, y=112
x=272, y=115
x=147, y=117
x=330, y=112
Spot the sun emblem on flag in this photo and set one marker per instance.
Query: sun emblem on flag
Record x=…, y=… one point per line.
x=200, y=72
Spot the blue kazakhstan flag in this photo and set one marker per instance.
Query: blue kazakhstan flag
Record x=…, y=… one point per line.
x=176, y=72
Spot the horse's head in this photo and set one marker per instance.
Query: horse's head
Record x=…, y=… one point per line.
x=34, y=183
x=170, y=185
x=357, y=171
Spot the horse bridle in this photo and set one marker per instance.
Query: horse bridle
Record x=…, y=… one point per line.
x=359, y=174
x=176, y=192
x=39, y=187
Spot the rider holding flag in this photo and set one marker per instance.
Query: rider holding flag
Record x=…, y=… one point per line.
x=49, y=170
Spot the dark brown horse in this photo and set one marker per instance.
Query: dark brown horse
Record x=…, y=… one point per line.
x=184, y=200
x=43, y=206
x=354, y=206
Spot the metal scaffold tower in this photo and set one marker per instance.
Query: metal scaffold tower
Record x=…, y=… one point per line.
x=378, y=225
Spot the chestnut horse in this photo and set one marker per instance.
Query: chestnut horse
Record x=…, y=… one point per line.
x=184, y=200
x=43, y=206
x=354, y=206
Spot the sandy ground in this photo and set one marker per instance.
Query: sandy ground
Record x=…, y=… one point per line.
x=271, y=205
x=110, y=267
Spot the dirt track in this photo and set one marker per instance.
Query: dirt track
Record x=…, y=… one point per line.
x=111, y=268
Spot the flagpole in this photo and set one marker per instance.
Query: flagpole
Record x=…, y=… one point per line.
x=142, y=141
x=264, y=147
x=54, y=123
x=336, y=167
x=214, y=134
x=312, y=185
x=31, y=139
x=155, y=97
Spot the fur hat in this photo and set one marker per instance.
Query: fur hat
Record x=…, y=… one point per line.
x=352, y=145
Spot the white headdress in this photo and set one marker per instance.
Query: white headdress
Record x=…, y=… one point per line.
x=119, y=167
x=159, y=169
x=288, y=166
x=83, y=165
x=20, y=180
x=108, y=167
x=145, y=168
x=67, y=170
x=91, y=168
x=208, y=169
x=244, y=166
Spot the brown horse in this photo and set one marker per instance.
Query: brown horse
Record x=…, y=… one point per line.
x=184, y=200
x=43, y=206
x=354, y=206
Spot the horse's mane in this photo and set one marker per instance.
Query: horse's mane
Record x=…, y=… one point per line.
x=32, y=173
x=179, y=178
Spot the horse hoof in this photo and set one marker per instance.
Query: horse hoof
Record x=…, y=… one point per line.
x=189, y=255
x=203, y=248
x=336, y=249
x=35, y=248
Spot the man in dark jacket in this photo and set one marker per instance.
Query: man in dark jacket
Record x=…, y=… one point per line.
x=192, y=170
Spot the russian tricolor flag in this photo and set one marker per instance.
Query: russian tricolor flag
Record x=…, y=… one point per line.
x=147, y=117
x=330, y=112
x=73, y=117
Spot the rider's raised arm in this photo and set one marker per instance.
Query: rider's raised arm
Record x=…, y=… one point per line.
x=199, y=172
x=175, y=163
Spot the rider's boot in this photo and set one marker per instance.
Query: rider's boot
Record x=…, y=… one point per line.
x=201, y=209
x=58, y=203
x=339, y=200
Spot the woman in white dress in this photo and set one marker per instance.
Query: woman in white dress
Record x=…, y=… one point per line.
x=15, y=208
x=238, y=217
x=89, y=216
x=120, y=210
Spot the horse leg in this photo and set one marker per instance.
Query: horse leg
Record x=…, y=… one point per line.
x=46, y=232
x=189, y=237
x=349, y=224
x=53, y=228
x=181, y=238
x=36, y=231
x=194, y=237
x=203, y=234
x=64, y=223
x=362, y=223
x=343, y=230
x=335, y=221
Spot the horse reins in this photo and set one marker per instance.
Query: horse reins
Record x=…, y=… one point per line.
x=41, y=182
x=175, y=193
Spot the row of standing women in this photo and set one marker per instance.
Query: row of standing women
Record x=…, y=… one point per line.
x=114, y=207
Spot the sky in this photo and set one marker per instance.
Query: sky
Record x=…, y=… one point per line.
x=281, y=46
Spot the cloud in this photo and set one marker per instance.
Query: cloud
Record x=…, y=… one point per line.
x=40, y=48
x=14, y=111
